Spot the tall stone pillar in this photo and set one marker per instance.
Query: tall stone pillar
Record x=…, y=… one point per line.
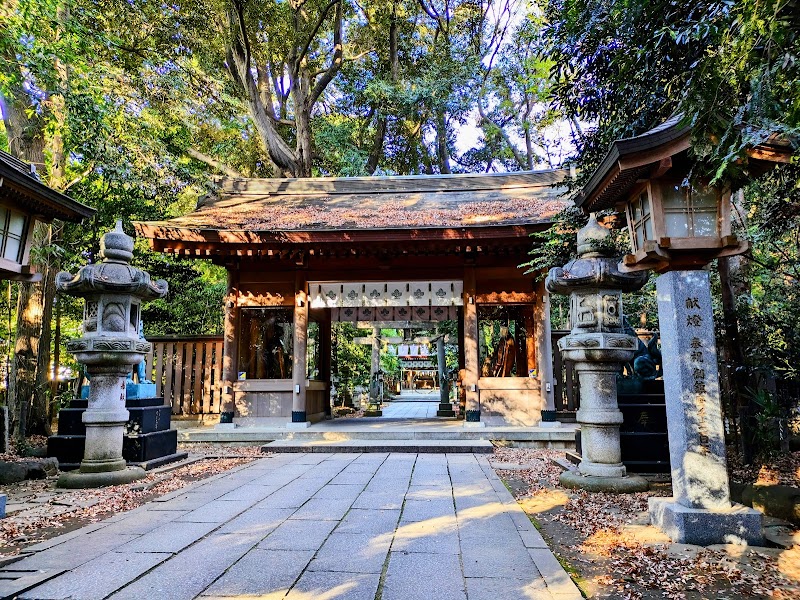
x=598, y=346
x=299, y=359
x=471, y=359
x=445, y=408
x=375, y=366
x=700, y=511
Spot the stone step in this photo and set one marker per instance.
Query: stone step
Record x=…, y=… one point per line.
x=561, y=437
x=410, y=446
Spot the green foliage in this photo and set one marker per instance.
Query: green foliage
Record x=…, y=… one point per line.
x=769, y=422
x=193, y=304
x=556, y=246
x=351, y=360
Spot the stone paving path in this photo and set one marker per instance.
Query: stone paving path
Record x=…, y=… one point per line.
x=313, y=527
x=398, y=409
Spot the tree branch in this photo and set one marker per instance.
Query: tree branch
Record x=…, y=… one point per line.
x=320, y=21
x=336, y=61
x=238, y=53
x=517, y=156
x=213, y=162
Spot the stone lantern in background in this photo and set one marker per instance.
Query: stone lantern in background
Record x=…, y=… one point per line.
x=598, y=346
x=677, y=227
x=109, y=348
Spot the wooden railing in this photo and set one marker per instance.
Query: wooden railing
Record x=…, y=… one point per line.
x=187, y=372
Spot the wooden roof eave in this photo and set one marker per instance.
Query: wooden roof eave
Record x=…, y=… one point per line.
x=633, y=155
x=163, y=236
x=36, y=197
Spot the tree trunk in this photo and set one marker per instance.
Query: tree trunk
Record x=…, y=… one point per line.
x=441, y=144
x=240, y=65
x=26, y=350
x=394, y=69
x=302, y=119
x=39, y=419
x=730, y=269
x=734, y=361
x=26, y=142
x=377, y=146
x=25, y=136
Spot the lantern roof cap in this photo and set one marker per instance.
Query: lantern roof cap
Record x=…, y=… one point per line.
x=116, y=245
x=629, y=160
x=113, y=274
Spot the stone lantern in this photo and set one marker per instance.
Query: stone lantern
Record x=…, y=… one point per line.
x=678, y=224
x=109, y=348
x=598, y=346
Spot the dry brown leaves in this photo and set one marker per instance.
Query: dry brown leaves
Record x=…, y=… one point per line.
x=782, y=470
x=33, y=441
x=225, y=450
x=637, y=560
x=712, y=573
x=589, y=513
x=48, y=511
x=541, y=474
x=371, y=214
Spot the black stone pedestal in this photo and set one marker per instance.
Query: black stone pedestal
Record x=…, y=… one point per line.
x=445, y=410
x=148, y=441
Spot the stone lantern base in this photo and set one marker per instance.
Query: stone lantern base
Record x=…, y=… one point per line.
x=80, y=480
x=737, y=524
x=613, y=485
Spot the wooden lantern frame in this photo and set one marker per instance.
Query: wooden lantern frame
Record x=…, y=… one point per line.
x=659, y=250
x=648, y=163
x=22, y=193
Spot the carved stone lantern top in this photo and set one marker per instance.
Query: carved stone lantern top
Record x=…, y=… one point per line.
x=113, y=290
x=595, y=268
x=595, y=284
x=113, y=274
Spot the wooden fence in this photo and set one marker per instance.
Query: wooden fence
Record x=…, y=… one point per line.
x=187, y=372
x=566, y=392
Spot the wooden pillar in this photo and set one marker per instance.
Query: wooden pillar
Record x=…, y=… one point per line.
x=229, y=347
x=299, y=347
x=375, y=365
x=461, y=338
x=544, y=347
x=471, y=362
x=325, y=358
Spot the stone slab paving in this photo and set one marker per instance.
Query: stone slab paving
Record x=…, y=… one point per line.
x=398, y=526
x=421, y=408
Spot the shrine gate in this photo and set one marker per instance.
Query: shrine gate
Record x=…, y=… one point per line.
x=302, y=254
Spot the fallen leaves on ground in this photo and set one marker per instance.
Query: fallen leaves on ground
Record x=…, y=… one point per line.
x=780, y=470
x=223, y=450
x=625, y=557
x=50, y=512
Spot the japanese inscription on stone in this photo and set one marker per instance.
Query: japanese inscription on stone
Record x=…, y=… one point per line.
x=697, y=360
